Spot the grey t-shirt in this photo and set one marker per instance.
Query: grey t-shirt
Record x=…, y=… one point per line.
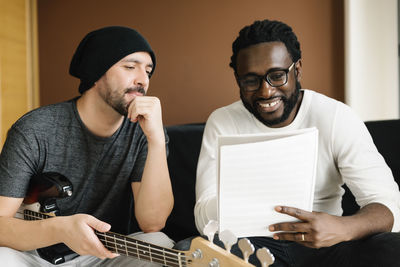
x=54, y=139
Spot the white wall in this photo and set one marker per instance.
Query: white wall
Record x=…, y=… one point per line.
x=371, y=58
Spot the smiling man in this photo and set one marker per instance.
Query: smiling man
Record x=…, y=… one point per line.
x=109, y=142
x=267, y=66
x=271, y=108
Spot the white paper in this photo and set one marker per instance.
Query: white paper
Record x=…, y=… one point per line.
x=259, y=172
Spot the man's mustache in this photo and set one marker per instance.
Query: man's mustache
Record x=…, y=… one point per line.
x=138, y=89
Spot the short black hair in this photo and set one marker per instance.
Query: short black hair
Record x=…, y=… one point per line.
x=266, y=31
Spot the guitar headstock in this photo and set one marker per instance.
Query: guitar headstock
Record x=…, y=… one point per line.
x=204, y=253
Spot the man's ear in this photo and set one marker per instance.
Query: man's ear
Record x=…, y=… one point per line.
x=95, y=84
x=298, y=69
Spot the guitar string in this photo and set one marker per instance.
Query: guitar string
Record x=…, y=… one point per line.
x=175, y=254
x=171, y=252
x=37, y=217
x=139, y=245
x=144, y=256
x=165, y=261
x=119, y=237
x=144, y=248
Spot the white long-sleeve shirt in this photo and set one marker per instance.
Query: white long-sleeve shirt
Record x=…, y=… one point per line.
x=346, y=154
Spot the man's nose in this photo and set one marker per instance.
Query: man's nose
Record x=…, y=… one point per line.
x=141, y=78
x=266, y=90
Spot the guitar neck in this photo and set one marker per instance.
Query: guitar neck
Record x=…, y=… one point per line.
x=131, y=247
x=128, y=246
x=30, y=215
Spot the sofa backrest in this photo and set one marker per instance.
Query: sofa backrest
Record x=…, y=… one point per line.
x=184, y=148
x=386, y=136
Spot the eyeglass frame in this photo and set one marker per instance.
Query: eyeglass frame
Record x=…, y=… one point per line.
x=265, y=77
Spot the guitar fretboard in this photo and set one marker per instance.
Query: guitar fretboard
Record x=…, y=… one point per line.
x=31, y=215
x=128, y=246
x=124, y=245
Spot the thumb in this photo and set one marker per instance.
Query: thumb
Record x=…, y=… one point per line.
x=99, y=225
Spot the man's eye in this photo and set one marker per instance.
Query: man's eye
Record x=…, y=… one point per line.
x=250, y=80
x=276, y=76
x=129, y=67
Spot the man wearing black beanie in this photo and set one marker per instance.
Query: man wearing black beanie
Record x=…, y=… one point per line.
x=109, y=143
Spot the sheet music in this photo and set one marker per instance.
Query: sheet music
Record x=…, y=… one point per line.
x=259, y=172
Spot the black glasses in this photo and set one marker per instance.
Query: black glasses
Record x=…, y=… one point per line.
x=274, y=77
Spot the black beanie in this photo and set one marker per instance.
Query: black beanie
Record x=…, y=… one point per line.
x=101, y=49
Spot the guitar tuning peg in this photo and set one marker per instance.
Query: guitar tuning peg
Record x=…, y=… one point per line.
x=228, y=238
x=265, y=257
x=246, y=247
x=210, y=229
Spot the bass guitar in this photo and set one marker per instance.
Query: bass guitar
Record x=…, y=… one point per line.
x=40, y=203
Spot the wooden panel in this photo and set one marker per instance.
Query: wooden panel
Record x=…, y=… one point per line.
x=16, y=75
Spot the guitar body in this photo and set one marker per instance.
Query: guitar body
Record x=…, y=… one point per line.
x=40, y=200
x=47, y=187
x=56, y=254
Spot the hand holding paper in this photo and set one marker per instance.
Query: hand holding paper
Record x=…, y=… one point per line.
x=315, y=229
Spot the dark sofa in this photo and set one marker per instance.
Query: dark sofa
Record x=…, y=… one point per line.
x=184, y=149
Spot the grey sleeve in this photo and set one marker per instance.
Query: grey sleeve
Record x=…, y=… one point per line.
x=18, y=163
x=142, y=156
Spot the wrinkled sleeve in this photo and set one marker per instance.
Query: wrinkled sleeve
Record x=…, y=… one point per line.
x=362, y=167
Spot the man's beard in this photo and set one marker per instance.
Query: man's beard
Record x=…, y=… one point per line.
x=289, y=104
x=117, y=101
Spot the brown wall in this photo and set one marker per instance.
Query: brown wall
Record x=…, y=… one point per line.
x=192, y=41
